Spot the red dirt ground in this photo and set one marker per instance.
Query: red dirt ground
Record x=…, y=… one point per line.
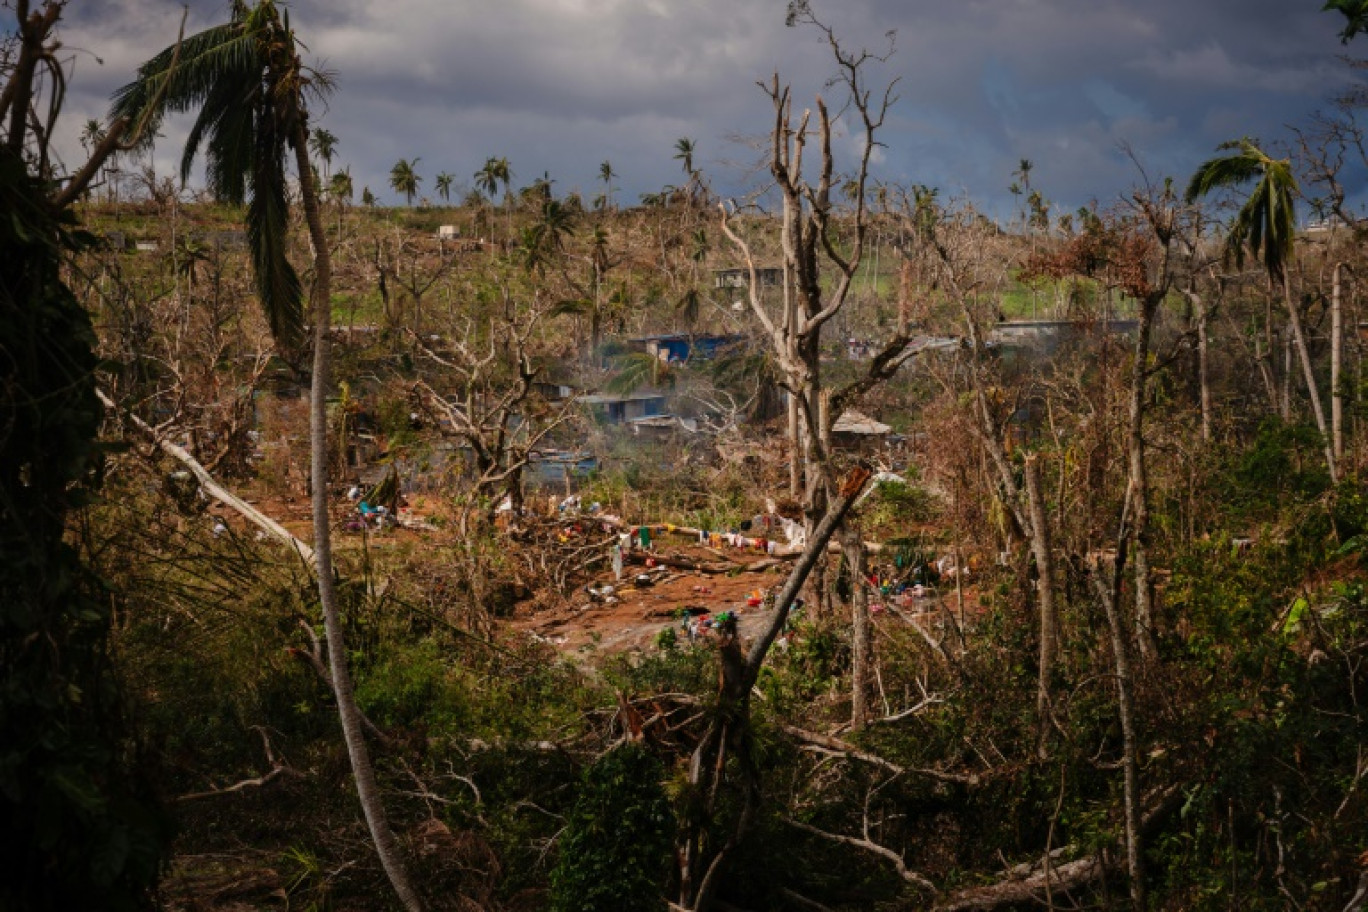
x=582, y=624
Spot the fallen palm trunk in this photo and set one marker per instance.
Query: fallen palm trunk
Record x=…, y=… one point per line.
x=212, y=487
x=1030, y=889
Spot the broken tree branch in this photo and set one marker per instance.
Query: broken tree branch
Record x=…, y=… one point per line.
x=836, y=747
x=212, y=487
x=868, y=845
x=278, y=768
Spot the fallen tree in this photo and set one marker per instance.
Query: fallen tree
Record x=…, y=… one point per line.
x=211, y=486
x=1036, y=881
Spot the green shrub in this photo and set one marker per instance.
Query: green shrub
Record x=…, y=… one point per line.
x=616, y=849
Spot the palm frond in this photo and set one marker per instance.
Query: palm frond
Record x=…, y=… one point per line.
x=227, y=118
x=1222, y=173
x=278, y=285
x=206, y=59
x=1355, y=14
x=636, y=370
x=571, y=307
x=742, y=366
x=690, y=304
x=1266, y=223
x=1235, y=244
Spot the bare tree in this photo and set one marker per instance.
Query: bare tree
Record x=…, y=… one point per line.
x=491, y=403
x=808, y=228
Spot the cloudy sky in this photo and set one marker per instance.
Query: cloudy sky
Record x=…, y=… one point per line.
x=559, y=86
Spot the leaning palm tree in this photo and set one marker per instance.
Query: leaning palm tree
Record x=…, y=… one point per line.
x=1266, y=225
x=247, y=81
x=404, y=179
x=684, y=153
x=443, y=185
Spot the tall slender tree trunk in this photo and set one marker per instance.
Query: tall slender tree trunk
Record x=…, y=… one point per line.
x=1139, y=478
x=1049, y=633
x=853, y=546
x=1203, y=366
x=1135, y=859
x=1337, y=364
x=1264, y=359
x=1285, y=400
x=363, y=771
x=1294, y=317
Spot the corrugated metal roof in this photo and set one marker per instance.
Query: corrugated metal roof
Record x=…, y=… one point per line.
x=853, y=422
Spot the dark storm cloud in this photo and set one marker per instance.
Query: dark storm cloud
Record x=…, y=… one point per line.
x=558, y=86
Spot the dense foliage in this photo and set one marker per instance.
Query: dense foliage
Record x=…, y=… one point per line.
x=81, y=829
x=614, y=854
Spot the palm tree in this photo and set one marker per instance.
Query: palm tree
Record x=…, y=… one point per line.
x=684, y=153
x=92, y=134
x=443, y=185
x=488, y=178
x=1355, y=14
x=544, y=240
x=340, y=187
x=538, y=193
x=557, y=221
x=504, y=173
x=324, y=144
x=403, y=179
x=250, y=87
x=606, y=174
x=367, y=198
x=1266, y=225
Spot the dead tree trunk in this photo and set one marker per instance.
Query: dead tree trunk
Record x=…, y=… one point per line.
x=854, y=551
x=1336, y=363
x=1299, y=336
x=1203, y=316
x=1049, y=634
x=730, y=729
x=1108, y=593
x=213, y=488
x=1139, y=473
